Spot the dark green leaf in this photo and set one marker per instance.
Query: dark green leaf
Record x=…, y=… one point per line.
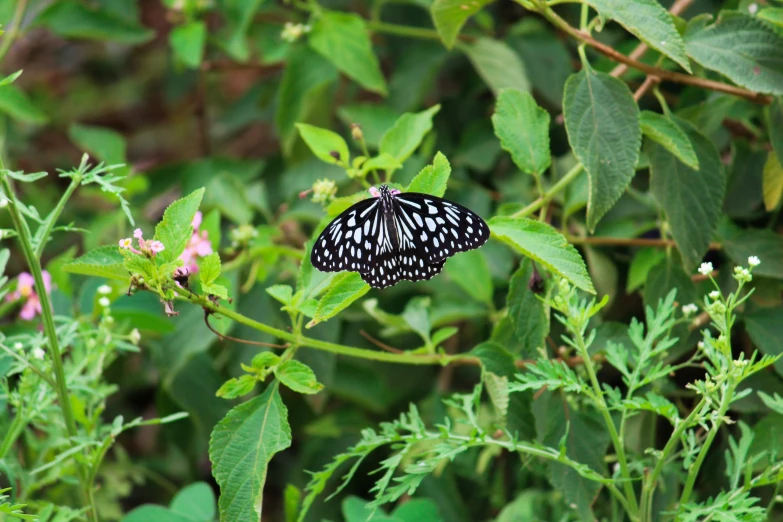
x=432, y=179
x=741, y=243
x=240, y=14
x=498, y=64
x=103, y=143
x=662, y=130
x=523, y=130
x=298, y=376
x=641, y=264
x=450, y=15
x=372, y=118
x=15, y=103
x=763, y=326
x=527, y=312
x=175, y=229
x=73, y=19
x=407, y=133
x=776, y=127
x=664, y=277
x=105, y=261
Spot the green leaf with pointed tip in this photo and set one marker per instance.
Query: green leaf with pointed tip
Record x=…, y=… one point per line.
x=11, y=78
x=209, y=268
x=188, y=42
x=215, y=290
x=742, y=48
x=449, y=16
x=298, y=376
x=73, y=19
x=432, y=179
x=602, y=120
x=325, y=144
x=692, y=199
x=240, y=448
x=773, y=15
x=648, y=21
x=196, y=501
x=772, y=182
x=523, y=129
x=406, y=134
x=342, y=292
x=527, y=312
x=544, y=245
x=176, y=229
x=15, y=103
x=282, y=293
x=662, y=130
x=498, y=64
x=342, y=38
x=237, y=387
x=105, y=261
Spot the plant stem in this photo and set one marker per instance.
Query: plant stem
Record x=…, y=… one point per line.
x=13, y=432
x=13, y=29
x=546, y=198
x=48, y=225
x=406, y=30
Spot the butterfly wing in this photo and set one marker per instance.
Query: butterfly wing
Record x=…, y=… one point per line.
x=349, y=241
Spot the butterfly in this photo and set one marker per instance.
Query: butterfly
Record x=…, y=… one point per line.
x=395, y=236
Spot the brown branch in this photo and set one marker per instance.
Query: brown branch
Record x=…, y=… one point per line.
x=634, y=241
x=378, y=343
x=644, y=87
x=236, y=340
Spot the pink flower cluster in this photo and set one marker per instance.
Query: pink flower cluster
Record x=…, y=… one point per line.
x=149, y=247
x=25, y=291
x=198, y=246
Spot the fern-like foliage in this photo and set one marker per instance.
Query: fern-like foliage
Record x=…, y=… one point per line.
x=729, y=506
x=14, y=511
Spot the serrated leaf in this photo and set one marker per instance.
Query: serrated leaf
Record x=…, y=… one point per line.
x=470, y=271
x=175, y=229
x=73, y=19
x=544, y=245
x=432, y=179
x=449, y=16
x=343, y=291
x=342, y=38
x=237, y=387
x=324, y=143
x=282, y=293
x=215, y=290
x=773, y=182
x=188, y=42
x=648, y=21
x=298, y=376
x=15, y=103
x=662, y=130
x=406, y=134
x=523, y=129
x=528, y=314
x=692, y=199
x=209, y=268
x=105, y=261
x=240, y=448
x=602, y=120
x=742, y=48
x=498, y=64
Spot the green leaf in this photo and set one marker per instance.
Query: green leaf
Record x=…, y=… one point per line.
x=188, y=42
x=73, y=19
x=741, y=243
x=602, y=120
x=407, y=132
x=240, y=448
x=343, y=291
x=692, y=199
x=215, y=290
x=282, y=293
x=470, y=271
x=648, y=21
x=523, y=130
x=450, y=15
x=209, y=268
x=103, y=143
x=498, y=64
x=298, y=376
x=417, y=317
x=742, y=48
x=432, y=179
x=11, y=78
x=544, y=245
x=776, y=127
x=105, y=261
x=773, y=182
x=342, y=38
x=374, y=120
x=240, y=15
x=324, y=142
x=384, y=161
x=763, y=326
x=664, y=277
x=175, y=229
x=15, y=103
x=773, y=15
x=237, y=387
x=196, y=501
x=528, y=314
x=662, y=130
x=152, y=513
x=641, y=264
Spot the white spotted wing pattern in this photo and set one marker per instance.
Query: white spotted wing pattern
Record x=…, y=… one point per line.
x=397, y=236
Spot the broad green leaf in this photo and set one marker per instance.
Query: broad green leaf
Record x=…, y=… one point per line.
x=641, y=264
x=648, y=21
x=662, y=130
x=763, y=326
x=547, y=62
x=384, y=161
x=342, y=38
x=692, y=199
x=373, y=119
x=417, y=510
x=282, y=293
x=450, y=15
x=498, y=64
x=298, y=376
x=544, y=245
x=776, y=127
x=103, y=143
x=529, y=315
x=324, y=143
x=196, y=501
x=405, y=136
x=773, y=15
x=240, y=448
x=523, y=129
x=742, y=48
x=152, y=513
x=433, y=179
x=470, y=271
x=741, y=243
x=343, y=291
x=215, y=290
x=15, y=103
x=773, y=182
x=74, y=19
x=602, y=120
x=105, y=261
x=306, y=75
x=209, y=268
x=188, y=43
x=237, y=387
x=175, y=229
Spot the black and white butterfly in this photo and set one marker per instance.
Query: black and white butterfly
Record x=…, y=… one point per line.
x=394, y=236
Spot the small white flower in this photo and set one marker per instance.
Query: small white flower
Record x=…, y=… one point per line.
x=18, y=347
x=104, y=301
x=104, y=289
x=135, y=336
x=705, y=269
x=3, y=201
x=38, y=353
x=689, y=309
x=753, y=8
x=700, y=344
x=714, y=294
x=753, y=260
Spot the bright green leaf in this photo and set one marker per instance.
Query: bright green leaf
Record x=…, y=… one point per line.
x=432, y=179
x=527, y=312
x=196, y=501
x=209, y=268
x=602, y=120
x=15, y=103
x=498, y=64
x=74, y=19
x=175, y=229
x=188, y=43
x=662, y=130
x=384, y=161
x=215, y=290
x=773, y=15
x=405, y=136
x=298, y=376
x=237, y=387
x=523, y=129
x=344, y=290
x=544, y=245
x=450, y=15
x=105, y=261
x=240, y=448
x=773, y=182
x=342, y=38
x=282, y=293
x=11, y=78
x=470, y=271
x=324, y=143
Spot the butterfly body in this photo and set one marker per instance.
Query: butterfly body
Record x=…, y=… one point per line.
x=396, y=236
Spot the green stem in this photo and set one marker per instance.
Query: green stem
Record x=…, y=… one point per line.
x=403, y=30
x=48, y=225
x=13, y=28
x=13, y=432
x=557, y=187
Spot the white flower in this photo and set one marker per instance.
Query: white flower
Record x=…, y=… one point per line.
x=104, y=301
x=18, y=347
x=705, y=269
x=754, y=261
x=689, y=309
x=714, y=294
x=3, y=201
x=135, y=336
x=104, y=289
x=753, y=8
x=700, y=344
x=38, y=353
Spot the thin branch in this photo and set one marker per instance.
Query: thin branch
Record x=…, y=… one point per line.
x=634, y=241
x=644, y=87
x=378, y=343
x=237, y=340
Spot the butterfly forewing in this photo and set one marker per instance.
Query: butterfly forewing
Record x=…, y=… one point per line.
x=349, y=241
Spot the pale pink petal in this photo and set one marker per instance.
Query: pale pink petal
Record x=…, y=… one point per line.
x=138, y=234
x=28, y=310
x=25, y=283
x=196, y=223
x=47, y=278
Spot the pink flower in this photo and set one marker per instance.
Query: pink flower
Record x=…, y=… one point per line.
x=25, y=290
x=196, y=223
x=198, y=245
x=138, y=234
x=155, y=247
x=127, y=243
